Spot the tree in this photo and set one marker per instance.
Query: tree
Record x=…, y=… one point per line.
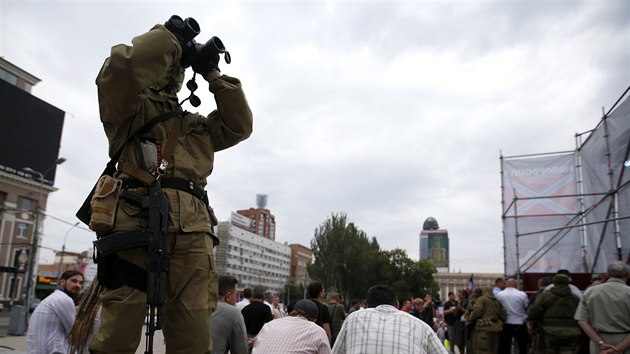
x=349, y=262
x=342, y=256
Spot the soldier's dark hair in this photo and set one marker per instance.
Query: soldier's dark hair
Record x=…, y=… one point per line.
x=70, y=273
x=247, y=293
x=227, y=284
x=314, y=289
x=381, y=295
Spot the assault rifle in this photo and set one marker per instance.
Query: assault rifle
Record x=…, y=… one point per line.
x=158, y=267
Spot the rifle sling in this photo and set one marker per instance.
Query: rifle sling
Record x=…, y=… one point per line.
x=119, y=241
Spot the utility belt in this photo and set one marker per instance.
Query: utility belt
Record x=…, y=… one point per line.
x=114, y=271
x=110, y=243
x=559, y=322
x=172, y=183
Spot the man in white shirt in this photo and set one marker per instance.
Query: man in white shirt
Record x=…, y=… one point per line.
x=268, y=300
x=296, y=333
x=574, y=289
x=53, y=318
x=383, y=329
x=247, y=294
x=515, y=303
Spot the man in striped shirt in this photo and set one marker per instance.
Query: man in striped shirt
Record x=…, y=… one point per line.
x=296, y=333
x=383, y=329
x=54, y=316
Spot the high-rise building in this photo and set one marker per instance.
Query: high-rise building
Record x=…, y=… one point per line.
x=263, y=223
x=27, y=175
x=434, y=244
x=250, y=258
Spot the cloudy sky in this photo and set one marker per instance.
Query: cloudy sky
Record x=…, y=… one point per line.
x=391, y=112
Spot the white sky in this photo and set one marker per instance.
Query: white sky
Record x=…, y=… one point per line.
x=391, y=112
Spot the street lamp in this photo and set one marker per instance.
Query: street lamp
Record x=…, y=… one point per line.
x=33, y=256
x=63, y=248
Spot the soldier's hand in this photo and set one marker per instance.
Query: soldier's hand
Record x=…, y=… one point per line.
x=203, y=66
x=212, y=75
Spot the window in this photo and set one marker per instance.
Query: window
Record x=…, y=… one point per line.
x=21, y=229
x=3, y=198
x=8, y=77
x=25, y=203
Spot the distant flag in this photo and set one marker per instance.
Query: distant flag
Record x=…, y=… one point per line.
x=470, y=284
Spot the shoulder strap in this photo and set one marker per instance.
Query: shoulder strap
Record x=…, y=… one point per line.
x=145, y=128
x=84, y=211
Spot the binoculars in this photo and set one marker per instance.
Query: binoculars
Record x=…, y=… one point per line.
x=202, y=57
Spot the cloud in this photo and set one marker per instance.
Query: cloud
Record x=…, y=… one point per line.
x=389, y=111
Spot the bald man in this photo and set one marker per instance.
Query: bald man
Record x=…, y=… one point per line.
x=515, y=303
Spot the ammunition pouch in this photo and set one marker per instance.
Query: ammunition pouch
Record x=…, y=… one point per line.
x=104, y=203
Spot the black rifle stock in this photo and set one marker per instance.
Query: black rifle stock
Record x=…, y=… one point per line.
x=158, y=267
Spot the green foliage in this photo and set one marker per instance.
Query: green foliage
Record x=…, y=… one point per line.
x=346, y=260
x=292, y=293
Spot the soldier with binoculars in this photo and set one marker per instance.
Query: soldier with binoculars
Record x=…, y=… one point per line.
x=152, y=141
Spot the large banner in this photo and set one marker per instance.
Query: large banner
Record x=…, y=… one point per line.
x=606, y=167
x=539, y=199
x=434, y=246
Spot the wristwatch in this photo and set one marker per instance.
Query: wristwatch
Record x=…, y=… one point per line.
x=601, y=342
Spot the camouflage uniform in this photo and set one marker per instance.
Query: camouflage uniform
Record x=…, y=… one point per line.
x=554, y=309
x=136, y=84
x=487, y=309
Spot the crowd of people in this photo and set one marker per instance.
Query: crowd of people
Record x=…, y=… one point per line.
x=551, y=320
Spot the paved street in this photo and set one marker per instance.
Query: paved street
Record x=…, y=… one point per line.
x=17, y=344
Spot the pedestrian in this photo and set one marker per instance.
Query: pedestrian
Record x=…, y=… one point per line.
x=487, y=317
x=534, y=326
x=337, y=314
x=277, y=311
x=316, y=294
x=604, y=312
x=383, y=329
x=227, y=328
x=515, y=303
x=296, y=333
x=470, y=325
x=553, y=310
x=574, y=289
x=428, y=312
x=418, y=308
x=53, y=318
x=247, y=295
x=256, y=314
x=355, y=305
x=463, y=304
x=499, y=285
x=151, y=137
x=406, y=306
x=450, y=317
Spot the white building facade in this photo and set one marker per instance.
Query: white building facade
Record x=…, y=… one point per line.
x=252, y=259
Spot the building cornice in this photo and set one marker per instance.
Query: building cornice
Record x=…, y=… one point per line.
x=21, y=73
